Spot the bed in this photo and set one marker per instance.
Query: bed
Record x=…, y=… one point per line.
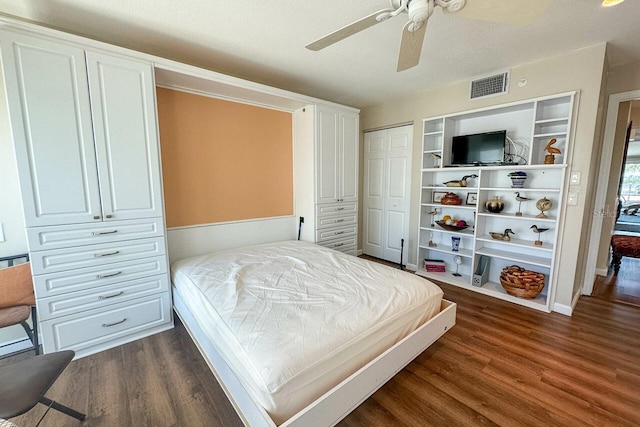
x=298, y=334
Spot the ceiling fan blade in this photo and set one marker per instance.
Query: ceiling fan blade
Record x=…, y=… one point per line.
x=344, y=32
x=411, y=46
x=521, y=12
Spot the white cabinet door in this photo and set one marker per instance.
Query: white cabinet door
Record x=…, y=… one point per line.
x=124, y=118
x=348, y=154
x=50, y=116
x=327, y=190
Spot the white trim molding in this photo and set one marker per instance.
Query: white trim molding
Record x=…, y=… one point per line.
x=565, y=309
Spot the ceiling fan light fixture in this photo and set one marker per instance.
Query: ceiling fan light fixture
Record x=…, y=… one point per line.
x=609, y=3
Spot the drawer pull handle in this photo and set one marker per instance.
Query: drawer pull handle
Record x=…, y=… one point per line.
x=100, y=233
x=104, y=276
x=338, y=232
x=339, y=209
x=339, y=220
x=107, y=254
x=108, y=216
x=111, y=296
x=338, y=244
x=106, y=325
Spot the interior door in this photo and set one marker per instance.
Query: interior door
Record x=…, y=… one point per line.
x=397, y=192
x=387, y=188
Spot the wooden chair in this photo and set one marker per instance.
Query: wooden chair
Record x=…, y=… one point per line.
x=23, y=384
x=17, y=300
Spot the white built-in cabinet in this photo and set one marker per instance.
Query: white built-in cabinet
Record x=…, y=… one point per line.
x=327, y=175
x=85, y=134
x=531, y=124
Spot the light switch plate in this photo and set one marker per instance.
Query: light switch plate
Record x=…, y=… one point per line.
x=572, y=199
x=575, y=178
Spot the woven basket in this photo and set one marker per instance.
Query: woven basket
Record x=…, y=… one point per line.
x=521, y=283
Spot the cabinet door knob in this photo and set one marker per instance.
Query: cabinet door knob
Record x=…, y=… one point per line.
x=96, y=217
x=108, y=216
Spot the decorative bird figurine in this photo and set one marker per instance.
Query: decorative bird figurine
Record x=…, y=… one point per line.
x=520, y=199
x=550, y=158
x=502, y=236
x=433, y=214
x=460, y=182
x=538, y=230
x=436, y=159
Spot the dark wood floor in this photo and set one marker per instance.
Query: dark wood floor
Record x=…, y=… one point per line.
x=500, y=365
x=623, y=287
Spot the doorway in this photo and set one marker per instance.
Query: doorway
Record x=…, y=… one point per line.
x=386, y=190
x=611, y=168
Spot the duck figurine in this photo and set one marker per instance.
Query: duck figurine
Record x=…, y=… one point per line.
x=502, y=236
x=538, y=230
x=460, y=182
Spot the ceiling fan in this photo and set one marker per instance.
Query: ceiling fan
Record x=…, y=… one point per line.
x=419, y=11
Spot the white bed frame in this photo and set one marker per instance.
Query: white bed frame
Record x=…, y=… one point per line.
x=338, y=402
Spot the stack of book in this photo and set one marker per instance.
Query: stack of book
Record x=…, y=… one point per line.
x=434, y=265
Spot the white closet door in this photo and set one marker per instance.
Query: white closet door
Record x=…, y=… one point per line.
x=373, y=193
x=327, y=190
x=387, y=192
x=48, y=99
x=349, y=159
x=398, y=192
x=123, y=108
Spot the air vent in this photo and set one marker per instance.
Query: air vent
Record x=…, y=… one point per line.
x=491, y=85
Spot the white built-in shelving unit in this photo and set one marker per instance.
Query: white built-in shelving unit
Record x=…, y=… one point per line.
x=530, y=124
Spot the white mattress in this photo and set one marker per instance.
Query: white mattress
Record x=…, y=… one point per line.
x=293, y=319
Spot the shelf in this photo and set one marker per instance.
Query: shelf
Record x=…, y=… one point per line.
x=532, y=190
x=513, y=216
x=467, y=253
x=437, y=132
x=515, y=257
x=437, y=229
x=431, y=151
x=549, y=121
x=448, y=277
x=496, y=290
x=517, y=242
x=551, y=134
x=438, y=205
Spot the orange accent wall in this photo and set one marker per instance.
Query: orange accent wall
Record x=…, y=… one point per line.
x=223, y=161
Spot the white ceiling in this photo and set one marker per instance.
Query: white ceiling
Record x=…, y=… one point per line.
x=264, y=41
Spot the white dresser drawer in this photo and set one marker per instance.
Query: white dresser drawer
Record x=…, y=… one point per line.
x=63, y=236
x=337, y=244
x=62, y=305
x=335, y=209
x=351, y=250
x=337, y=221
x=95, y=328
x=47, y=285
x=92, y=255
x=336, y=233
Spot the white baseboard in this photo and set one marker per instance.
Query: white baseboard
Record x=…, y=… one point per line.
x=602, y=271
x=359, y=252
x=412, y=267
x=565, y=309
x=15, y=345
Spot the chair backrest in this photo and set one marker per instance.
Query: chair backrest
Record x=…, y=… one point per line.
x=16, y=286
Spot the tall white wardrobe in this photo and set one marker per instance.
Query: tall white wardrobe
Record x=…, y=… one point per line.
x=85, y=134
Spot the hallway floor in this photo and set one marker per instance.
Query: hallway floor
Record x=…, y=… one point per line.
x=623, y=288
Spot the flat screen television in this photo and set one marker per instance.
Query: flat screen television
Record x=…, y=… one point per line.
x=478, y=149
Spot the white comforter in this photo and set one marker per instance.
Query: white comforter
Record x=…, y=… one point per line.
x=293, y=319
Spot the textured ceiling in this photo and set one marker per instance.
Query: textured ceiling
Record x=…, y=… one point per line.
x=264, y=41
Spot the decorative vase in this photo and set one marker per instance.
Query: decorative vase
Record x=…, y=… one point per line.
x=494, y=205
x=518, y=181
x=543, y=205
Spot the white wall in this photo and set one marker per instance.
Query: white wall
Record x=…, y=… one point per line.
x=11, y=215
x=580, y=70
